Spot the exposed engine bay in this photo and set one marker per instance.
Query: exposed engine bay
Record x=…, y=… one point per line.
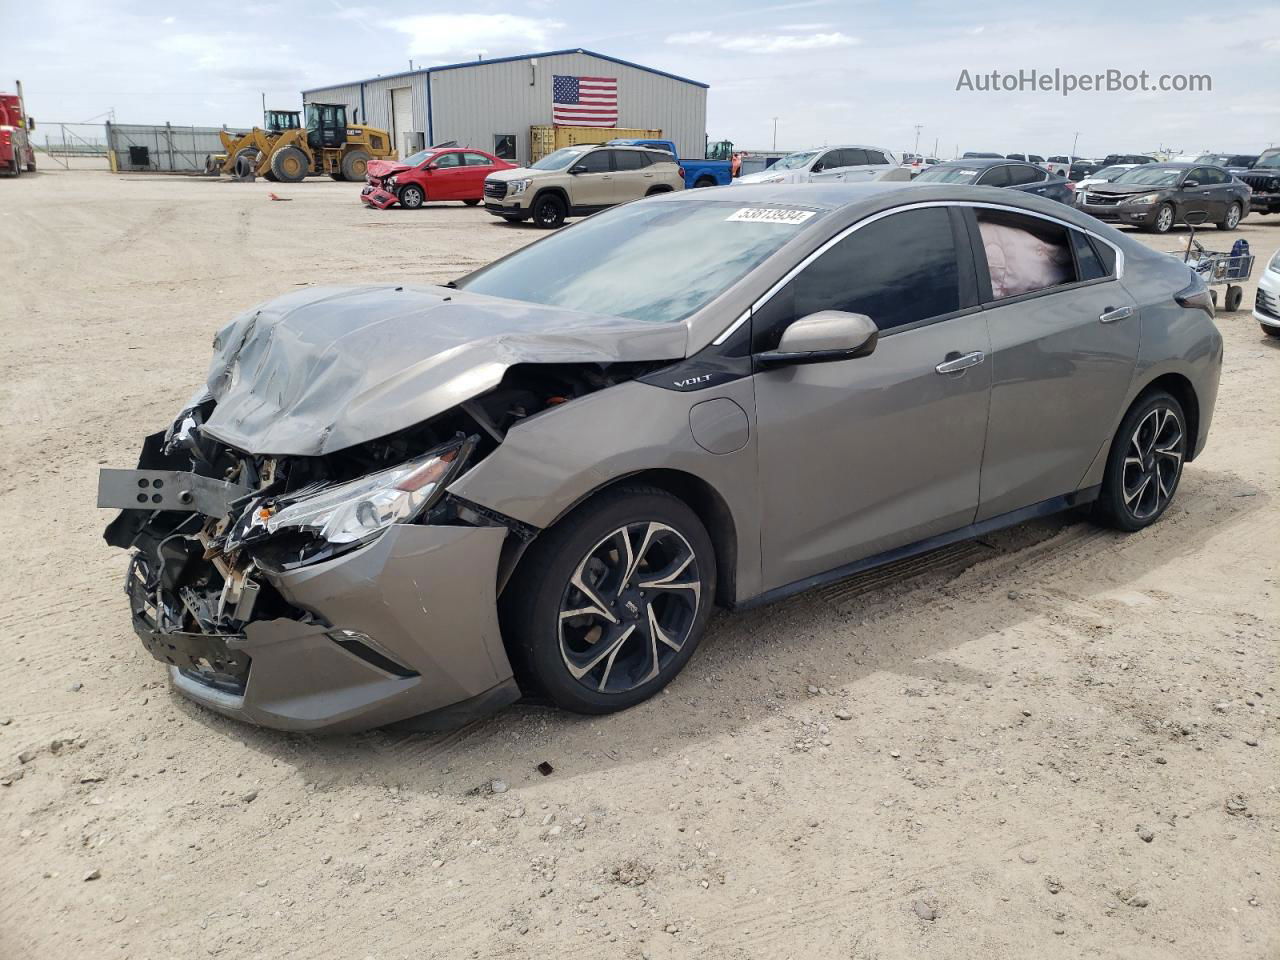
x=211, y=526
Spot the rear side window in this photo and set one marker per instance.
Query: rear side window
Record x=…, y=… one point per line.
x=628, y=160
x=1025, y=254
x=898, y=270
x=875, y=156
x=476, y=160
x=1106, y=253
x=853, y=158
x=995, y=177
x=1089, y=265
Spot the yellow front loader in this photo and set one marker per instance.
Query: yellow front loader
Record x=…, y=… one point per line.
x=255, y=144
x=328, y=145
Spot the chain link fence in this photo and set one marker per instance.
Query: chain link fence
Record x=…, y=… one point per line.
x=165, y=149
x=71, y=145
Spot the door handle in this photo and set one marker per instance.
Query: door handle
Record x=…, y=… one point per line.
x=1112, y=314
x=956, y=363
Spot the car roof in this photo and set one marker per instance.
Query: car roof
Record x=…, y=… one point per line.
x=981, y=163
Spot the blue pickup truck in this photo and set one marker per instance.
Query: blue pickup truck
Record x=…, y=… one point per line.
x=697, y=173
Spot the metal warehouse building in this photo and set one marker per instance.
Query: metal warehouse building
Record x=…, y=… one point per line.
x=492, y=104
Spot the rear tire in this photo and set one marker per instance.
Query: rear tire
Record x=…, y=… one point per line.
x=549, y=211
x=289, y=164
x=355, y=164
x=704, y=182
x=1232, y=219
x=411, y=196
x=1144, y=464
x=642, y=604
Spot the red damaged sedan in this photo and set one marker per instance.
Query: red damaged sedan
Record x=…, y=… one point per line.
x=440, y=173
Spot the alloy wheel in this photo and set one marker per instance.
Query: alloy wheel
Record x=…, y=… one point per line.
x=1233, y=217
x=1164, y=219
x=629, y=607
x=1152, y=463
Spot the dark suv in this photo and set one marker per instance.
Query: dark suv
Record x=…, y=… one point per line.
x=1263, y=179
x=1156, y=196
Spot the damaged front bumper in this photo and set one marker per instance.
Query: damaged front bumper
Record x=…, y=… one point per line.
x=403, y=626
x=378, y=197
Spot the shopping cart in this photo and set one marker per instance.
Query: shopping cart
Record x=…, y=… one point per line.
x=1219, y=267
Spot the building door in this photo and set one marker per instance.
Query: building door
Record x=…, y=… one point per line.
x=402, y=120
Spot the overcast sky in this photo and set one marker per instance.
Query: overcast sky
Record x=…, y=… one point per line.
x=830, y=70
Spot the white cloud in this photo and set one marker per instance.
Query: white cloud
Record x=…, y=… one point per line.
x=468, y=34
x=762, y=42
x=169, y=20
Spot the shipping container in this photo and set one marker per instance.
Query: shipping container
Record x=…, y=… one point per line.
x=544, y=138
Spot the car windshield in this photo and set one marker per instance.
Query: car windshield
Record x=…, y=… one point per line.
x=1269, y=158
x=1109, y=173
x=422, y=156
x=561, y=158
x=654, y=261
x=794, y=161
x=945, y=174
x=1151, y=176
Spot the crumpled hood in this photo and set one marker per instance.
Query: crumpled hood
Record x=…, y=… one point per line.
x=384, y=168
x=329, y=367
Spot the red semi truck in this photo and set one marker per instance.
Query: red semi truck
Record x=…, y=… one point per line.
x=16, y=153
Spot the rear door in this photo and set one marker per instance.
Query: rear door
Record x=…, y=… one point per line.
x=997, y=176
x=632, y=176
x=862, y=456
x=1064, y=342
x=1218, y=192
x=475, y=167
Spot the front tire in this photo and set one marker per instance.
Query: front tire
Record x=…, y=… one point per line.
x=1144, y=464
x=289, y=164
x=472, y=202
x=1232, y=219
x=1270, y=331
x=1164, y=220
x=549, y=211
x=609, y=605
x=411, y=196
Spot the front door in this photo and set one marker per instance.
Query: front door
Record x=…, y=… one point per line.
x=447, y=177
x=593, y=185
x=829, y=166
x=860, y=456
x=1064, y=342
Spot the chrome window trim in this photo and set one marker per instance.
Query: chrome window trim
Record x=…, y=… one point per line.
x=924, y=205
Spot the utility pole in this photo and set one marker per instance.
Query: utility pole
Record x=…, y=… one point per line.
x=1074, y=141
x=264, y=103
x=916, y=151
x=775, y=133
x=935, y=148
x=411, y=65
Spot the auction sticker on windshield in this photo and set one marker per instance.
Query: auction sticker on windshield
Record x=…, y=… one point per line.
x=769, y=215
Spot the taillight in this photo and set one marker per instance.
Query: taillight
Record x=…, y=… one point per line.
x=1071, y=186
x=681, y=169
x=1195, y=296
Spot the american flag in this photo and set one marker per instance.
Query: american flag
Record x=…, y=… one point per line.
x=584, y=101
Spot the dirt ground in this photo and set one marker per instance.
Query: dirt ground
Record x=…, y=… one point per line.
x=1056, y=742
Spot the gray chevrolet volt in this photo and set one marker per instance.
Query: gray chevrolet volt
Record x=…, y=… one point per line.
x=421, y=503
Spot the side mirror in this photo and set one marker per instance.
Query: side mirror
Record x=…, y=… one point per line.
x=31, y=123
x=578, y=168
x=823, y=337
x=1191, y=183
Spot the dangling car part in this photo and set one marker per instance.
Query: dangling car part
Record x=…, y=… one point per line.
x=424, y=502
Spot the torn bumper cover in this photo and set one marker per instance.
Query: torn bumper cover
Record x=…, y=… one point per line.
x=377, y=197
x=403, y=627
x=310, y=634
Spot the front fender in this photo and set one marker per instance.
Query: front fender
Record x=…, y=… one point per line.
x=553, y=461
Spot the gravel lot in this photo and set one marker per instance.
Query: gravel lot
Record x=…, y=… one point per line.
x=1056, y=742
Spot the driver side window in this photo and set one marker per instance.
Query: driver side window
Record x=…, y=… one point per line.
x=598, y=162
x=446, y=160
x=828, y=161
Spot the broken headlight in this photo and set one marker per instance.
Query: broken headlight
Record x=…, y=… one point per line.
x=355, y=511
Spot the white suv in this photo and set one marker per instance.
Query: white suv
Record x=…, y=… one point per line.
x=840, y=164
